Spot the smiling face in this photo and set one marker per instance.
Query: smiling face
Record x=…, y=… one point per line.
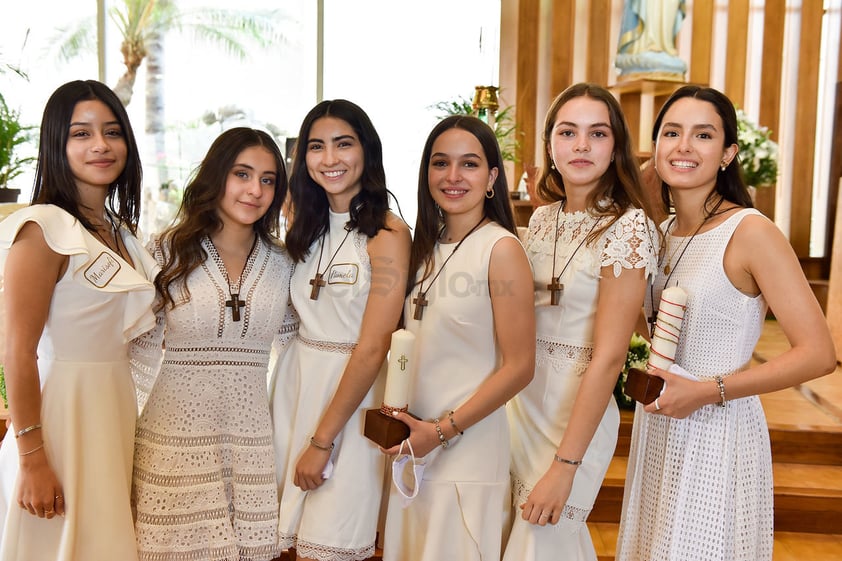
x=458, y=173
x=335, y=160
x=690, y=146
x=96, y=146
x=249, y=188
x=582, y=143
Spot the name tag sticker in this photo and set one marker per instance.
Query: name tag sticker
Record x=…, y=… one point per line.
x=102, y=270
x=343, y=273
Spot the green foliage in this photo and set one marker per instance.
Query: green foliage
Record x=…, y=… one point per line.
x=505, y=128
x=758, y=155
x=3, y=388
x=13, y=134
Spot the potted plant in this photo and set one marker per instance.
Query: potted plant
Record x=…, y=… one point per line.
x=13, y=135
x=758, y=155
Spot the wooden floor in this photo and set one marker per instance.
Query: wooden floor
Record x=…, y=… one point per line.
x=805, y=426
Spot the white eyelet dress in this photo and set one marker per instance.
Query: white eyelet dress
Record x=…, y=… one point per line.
x=700, y=488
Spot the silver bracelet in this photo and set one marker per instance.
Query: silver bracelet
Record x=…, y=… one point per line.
x=30, y=428
x=721, y=386
x=442, y=440
x=319, y=446
x=566, y=461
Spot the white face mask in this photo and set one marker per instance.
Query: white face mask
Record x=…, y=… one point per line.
x=400, y=477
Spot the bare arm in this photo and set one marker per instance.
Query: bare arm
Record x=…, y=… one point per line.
x=618, y=309
x=759, y=259
x=389, y=255
x=32, y=270
x=510, y=287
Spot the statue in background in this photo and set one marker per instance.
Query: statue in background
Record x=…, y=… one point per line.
x=647, y=46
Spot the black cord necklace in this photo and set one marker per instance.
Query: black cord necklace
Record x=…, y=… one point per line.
x=116, y=249
x=555, y=287
x=234, y=289
x=318, y=281
x=653, y=317
x=421, y=301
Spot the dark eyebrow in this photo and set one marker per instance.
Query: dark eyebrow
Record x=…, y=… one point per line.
x=443, y=155
x=696, y=127
x=334, y=139
x=85, y=124
x=572, y=124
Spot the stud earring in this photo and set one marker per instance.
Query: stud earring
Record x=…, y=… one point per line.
x=724, y=165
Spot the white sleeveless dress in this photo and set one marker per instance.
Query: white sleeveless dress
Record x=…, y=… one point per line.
x=462, y=509
x=88, y=407
x=539, y=414
x=337, y=521
x=204, y=474
x=700, y=488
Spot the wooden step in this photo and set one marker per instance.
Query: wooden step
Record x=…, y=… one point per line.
x=789, y=546
x=808, y=498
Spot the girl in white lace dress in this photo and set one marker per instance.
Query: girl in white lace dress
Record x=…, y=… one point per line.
x=204, y=474
x=699, y=481
x=470, y=307
x=596, y=241
x=77, y=287
x=351, y=257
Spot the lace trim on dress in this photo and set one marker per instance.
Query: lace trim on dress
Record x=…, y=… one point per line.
x=562, y=356
x=181, y=481
x=208, y=440
x=630, y=243
x=329, y=346
x=520, y=493
x=319, y=552
x=242, y=553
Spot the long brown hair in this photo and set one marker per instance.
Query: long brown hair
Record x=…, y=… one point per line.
x=429, y=221
x=620, y=187
x=197, y=217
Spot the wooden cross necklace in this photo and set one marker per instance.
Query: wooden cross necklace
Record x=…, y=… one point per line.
x=670, y=267
x=421, y=301
x=234, y=290
x=317, y=282
x=555, y=286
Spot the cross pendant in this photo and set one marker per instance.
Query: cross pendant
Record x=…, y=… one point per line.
x=317, y=282
x=420, y=302
x=555, y=288
x=234, y=303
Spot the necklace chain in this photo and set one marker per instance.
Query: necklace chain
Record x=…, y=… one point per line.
x=317, y=282
x=117, y=249
x=234, y=290
x=421, y=301
x=555, y=286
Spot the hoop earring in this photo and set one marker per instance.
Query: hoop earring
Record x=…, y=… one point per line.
x=491, y=196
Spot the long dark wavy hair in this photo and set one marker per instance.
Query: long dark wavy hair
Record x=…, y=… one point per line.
x=729, y=182
x=310, y=207
x=620, y=187
x=54, y=180
x=430, y=221
x=198, y=215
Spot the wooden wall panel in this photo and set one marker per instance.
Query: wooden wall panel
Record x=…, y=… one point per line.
x=599, y=42
x=700, y=50
x=735, y=69
x=774, y=19
x=804, y=136
x=527, y=77
x=563, y=31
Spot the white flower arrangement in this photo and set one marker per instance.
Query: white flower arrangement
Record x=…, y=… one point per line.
x=758, y=155
x=636, y=357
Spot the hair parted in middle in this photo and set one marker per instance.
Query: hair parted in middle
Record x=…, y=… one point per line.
x=430, y=221
x=198, y=215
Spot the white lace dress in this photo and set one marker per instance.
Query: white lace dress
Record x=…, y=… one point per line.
x=88, y=408
x=338, y=520
x=461, y=511
x=700, y=488
x=539, y=414
x=204, y=474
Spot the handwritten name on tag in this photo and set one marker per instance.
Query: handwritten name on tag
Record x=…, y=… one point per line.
x=102, y=270
x=343, y=273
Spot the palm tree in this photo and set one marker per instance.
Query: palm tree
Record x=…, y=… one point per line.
x=143, y=26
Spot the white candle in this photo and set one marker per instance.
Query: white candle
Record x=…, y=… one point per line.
x=398, y=376
x=668, y=327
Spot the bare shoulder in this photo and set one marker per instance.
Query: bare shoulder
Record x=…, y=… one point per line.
x=393, y=239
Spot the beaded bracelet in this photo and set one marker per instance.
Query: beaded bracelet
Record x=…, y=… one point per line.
x=442, y=440
x=318, y=446
x=453, y=424
x=566, y=461
x=32, y=451
x=721, y=386
x=31, y=428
